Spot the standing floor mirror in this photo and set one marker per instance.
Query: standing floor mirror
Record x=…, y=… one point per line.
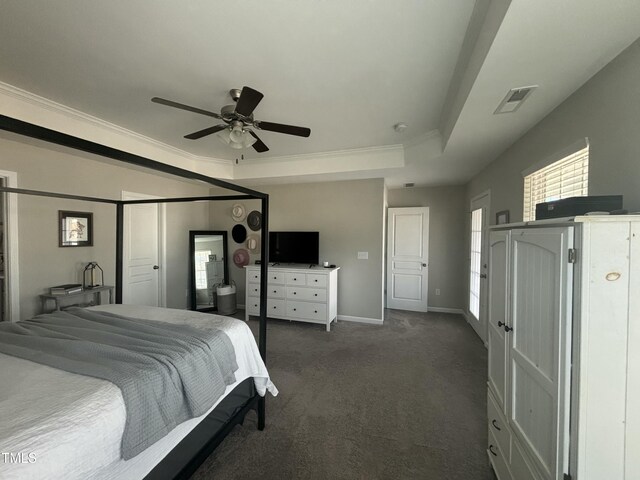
x=208, y=268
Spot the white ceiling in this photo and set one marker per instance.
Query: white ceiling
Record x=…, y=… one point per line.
x=349, y=70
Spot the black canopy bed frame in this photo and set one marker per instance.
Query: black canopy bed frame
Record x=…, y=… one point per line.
x=193, y=450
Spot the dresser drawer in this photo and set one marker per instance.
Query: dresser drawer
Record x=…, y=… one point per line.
x=310, y=294
x=498, y=462
x=310, y=311
x=253, y=290
x=275, y=291
x=295, y=278
x=498, y=425
x=315, y=280
x=253, y=276
x=275, y=307
x=275, y=278
x=253, y=306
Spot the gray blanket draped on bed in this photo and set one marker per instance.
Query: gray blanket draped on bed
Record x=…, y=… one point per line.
x=167, y=373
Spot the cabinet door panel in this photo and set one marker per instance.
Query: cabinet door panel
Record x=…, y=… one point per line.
x=497, y=315
x=538, y=344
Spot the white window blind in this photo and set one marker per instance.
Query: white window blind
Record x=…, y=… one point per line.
x=476, y=258
x=568, y=177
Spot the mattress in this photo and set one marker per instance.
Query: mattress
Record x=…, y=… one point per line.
x=55, y=424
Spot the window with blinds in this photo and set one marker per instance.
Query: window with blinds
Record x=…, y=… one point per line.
x=476, y=260
x=568, y=177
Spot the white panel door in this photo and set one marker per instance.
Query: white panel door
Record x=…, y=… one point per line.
x=141, y=282
x=407, y=258
x=497, y=315
x=539, y=344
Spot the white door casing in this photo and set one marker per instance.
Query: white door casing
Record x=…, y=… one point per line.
x=144, y=281
x=539, y=342
x=12, y=272
x=407, y=258
x=478, y=263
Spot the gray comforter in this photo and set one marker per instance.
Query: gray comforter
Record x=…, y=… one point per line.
x=167, y=373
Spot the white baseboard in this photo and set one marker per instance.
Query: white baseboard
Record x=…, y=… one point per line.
x=349, y=318
x=459, y=311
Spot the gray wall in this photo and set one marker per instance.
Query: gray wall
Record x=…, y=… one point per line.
x=447, y=250
x=41, y=262
x=349, y=217
x=607, y=111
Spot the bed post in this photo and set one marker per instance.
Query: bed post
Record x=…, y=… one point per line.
x=119, y=249
x=262, y=338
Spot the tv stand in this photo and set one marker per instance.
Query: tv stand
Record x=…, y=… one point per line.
x=295, y=292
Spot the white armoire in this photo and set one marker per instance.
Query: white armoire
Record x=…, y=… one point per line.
x=564, y=349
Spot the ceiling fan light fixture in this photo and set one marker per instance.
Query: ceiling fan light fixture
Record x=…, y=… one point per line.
x=225, y=135
x=236, y=133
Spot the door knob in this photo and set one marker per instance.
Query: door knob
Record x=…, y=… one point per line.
x=483, y=275
x=156, y=267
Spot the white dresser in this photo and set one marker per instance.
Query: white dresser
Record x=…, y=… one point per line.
x=295, y=293
x=564, y=349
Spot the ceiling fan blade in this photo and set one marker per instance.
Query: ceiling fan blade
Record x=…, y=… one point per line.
x=248, y=101
x=259, y=146
x=205, y=132
x=281, y=128
x=170, y=103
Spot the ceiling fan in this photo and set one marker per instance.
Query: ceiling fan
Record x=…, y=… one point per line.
x=236, y=131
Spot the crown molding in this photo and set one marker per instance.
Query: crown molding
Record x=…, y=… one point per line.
x=352, y=152
x=76, y=115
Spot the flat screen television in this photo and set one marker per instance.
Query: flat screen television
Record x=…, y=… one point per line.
x=294, y=247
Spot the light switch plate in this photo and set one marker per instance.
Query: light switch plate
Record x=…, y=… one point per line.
x=363, y=255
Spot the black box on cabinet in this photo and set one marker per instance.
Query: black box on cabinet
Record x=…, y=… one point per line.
x=569, y=207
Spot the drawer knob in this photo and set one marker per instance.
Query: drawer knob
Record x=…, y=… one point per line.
x=315, y=311
x=275, y=291
x=316, y=280
x=315, y=294
x=493, y=422
x=274, y=307
x=295, y=278
x=294, y=293
x=255, y=305
x=492, y=452
x=294, y=309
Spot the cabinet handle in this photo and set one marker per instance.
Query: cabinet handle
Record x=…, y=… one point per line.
x=493, y=422
x=492, y=452
x=507, y=328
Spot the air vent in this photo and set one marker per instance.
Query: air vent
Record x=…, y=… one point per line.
x=514, y=98
x=409, y=184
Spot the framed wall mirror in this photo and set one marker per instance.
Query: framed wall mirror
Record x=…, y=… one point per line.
x=208, y=268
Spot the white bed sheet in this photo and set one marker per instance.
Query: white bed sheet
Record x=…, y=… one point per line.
x=56, y=424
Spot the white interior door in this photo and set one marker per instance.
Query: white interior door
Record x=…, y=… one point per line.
x=142, y=253
x=478, y=264
x=539, y=344
x=408, y=257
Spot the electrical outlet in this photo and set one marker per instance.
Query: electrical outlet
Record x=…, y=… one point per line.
x=363, y=255
x=437, y=291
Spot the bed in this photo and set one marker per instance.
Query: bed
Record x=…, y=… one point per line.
x=41, y=404
x=70, y=426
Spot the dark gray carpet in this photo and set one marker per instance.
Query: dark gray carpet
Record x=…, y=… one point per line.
x=406, y=400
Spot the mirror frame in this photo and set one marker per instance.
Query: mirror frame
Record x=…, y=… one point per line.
x=192, y=265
